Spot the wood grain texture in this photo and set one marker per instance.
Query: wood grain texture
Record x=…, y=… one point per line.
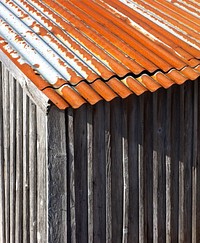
x=12, y=97
x=42, y=195
x=6, y=138
x=57, y=177
x=2, y=184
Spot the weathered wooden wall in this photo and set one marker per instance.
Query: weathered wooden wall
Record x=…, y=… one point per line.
x=23, y=167
x=127, y=171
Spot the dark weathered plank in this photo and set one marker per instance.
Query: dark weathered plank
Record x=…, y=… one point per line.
x=188, y=160
x=99, y=174
x=57, y=177
x=71, y=177
x=195, y=164
x=125, y=166
x=80, y=166
x=42, y=169
x=168, y=165
x=90, y=178
x=159, y=166
x=174, y=180
x=198, y=171
x=141, y=172
x=117, y=170
x=108, y=174
x=19, y=166
x=181, y=166
x=134, y=131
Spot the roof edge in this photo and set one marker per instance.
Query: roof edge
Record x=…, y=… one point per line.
x=37, y=96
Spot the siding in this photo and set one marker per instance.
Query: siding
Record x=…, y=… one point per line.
x=131, y=171
x=23, y=192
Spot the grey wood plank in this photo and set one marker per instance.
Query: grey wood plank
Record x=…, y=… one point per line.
x=134, y=133
x=71, y=177
x=12, y=156
x=26, y=209
x=148, y=167
x=19, y=166
x=188, y=159
x=90, y=172
x=6, y=135
x=108, y=174
x=117, y=170
x=2, y=185
x=141, y=173
x=32, y=172
x=125, y=161
x=198, y=171
x=159, y=166
x=168, y=162
x=57, y=176
x=80, y=166
x=175, y=140
x=42, y=180
x=99, y=174
x=181, y=167
x=39, y=98
x=195, y=163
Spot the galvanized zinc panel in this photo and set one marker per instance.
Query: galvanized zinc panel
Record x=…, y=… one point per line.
x=86, y=51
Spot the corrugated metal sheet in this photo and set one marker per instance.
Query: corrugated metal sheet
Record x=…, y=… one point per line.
x=87, y=50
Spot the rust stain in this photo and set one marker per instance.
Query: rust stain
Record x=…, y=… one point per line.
x=103, y=49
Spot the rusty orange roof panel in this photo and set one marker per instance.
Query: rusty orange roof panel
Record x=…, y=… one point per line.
x=88, y=50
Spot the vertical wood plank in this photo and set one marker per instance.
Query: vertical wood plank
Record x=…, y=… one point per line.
x=26, y=208
x=188, y=159
x=90, y=172
x=168, y=161
x=159, y=172
x=148, y=167
x=134, y=131
x=32, y=172
x=141, y=174
x=19, y=166
x=99, y=174
x=81, y=184
x=195, y=163
x=108, y=174
x=42, y=219
x=6, y=135
x=2, y=186
x=181, y=167
x=117, y=170
x=57, y=176
x=174, y=180
x=12, y=156
x=198, y=171
x=125, y=161
x=71, y=177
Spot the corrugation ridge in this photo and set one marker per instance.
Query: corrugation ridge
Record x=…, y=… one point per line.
x=27, y=39
x=98, y=53
x=169, y=23
x=123, y=35
x=100, y=40
x=169, y=8
x=117, y=42
x=137, y=39
x=91, y=76
x=162, y=35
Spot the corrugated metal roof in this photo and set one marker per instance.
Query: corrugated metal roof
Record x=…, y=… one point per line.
x=89, y=50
